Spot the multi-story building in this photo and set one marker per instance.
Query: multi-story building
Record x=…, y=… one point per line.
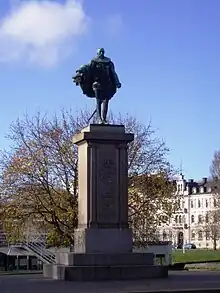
x=187, y=224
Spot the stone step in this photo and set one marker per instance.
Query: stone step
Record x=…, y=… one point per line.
x=104, y=273
x=101, y=259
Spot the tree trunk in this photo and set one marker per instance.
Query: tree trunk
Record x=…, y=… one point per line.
x=215, y=244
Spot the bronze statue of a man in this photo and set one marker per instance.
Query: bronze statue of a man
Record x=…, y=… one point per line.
x=99, y=80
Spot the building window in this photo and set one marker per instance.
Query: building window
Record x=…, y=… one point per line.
x=180, y=219
x=184, y=219
x=176, y=219
x=164, y=236
x=193, y=236
x=207, y=235
x=199, y=219
x=206, y=203
x=191, y=204
x=192, y=219
x=214, y=203
x=200, y=235
x=183, y=204
x=194, y=190
x=206, y=218
x=199, y=203
x=209, y=189
x=201, y=190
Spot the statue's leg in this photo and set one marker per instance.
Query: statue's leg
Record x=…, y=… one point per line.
x=96, y=89
x=105, y=110
x=98, y=109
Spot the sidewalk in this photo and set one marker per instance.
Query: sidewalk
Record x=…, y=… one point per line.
x=21, y=272
x=177, y=280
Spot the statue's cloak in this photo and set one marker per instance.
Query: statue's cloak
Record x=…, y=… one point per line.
x=100, y=72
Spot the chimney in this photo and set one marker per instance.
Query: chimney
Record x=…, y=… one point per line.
x=204, y=179
x=191, y=180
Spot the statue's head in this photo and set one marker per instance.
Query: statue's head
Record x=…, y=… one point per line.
x=101, y=52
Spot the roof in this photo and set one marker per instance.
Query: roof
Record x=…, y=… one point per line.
x=205, y=183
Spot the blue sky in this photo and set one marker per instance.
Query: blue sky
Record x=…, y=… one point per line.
x=166, y=54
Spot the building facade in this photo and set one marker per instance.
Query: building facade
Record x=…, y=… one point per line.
x=188, y=224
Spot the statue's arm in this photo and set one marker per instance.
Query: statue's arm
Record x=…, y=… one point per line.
x=112, y=67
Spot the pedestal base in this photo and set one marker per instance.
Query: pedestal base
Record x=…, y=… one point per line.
x=97, y=267
x=104, y=273
x=103, y=259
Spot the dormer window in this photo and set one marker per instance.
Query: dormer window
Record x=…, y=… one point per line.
x=209, y=189
x=194, y=190
x=201, y=189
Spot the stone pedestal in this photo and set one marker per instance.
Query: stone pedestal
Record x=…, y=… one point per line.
x=103, y=240
x=103, y=194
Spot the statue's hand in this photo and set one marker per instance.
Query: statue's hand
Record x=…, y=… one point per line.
x=118, y=85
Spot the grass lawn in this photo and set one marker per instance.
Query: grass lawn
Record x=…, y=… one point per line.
x=195, y=255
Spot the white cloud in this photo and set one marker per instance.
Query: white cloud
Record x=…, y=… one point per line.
x=115, y=24
x=41, y=32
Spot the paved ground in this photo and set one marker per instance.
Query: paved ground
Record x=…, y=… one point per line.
x=37, y=284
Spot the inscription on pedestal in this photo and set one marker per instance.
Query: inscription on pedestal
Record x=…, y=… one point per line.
x=107, y=170
x=107, y=186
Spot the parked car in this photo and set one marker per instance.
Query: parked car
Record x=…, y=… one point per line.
x=179, y=246
x=189, y=246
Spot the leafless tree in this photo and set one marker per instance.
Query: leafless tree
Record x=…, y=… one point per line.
x=39, y=177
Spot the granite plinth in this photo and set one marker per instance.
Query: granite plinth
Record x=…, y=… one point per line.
x=104, y=273
x=98, y=240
